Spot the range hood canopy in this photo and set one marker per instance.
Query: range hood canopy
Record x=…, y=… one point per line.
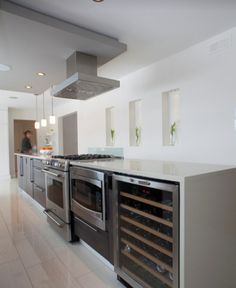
x=82, y=81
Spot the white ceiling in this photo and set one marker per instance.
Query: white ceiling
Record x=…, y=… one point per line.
x=153, y=29
x=21, y=100
x=30, y=46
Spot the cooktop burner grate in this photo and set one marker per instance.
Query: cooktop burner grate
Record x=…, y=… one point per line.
x=82, y=157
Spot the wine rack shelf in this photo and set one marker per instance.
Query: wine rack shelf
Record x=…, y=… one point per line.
x=155, y=273
x=146, y=201
x=146, y=228
x=148, y=242
x=147, y=255
x=147, y=224
x=147, y=215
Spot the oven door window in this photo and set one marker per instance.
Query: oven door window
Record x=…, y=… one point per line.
x=55, y=191
x=87, y=194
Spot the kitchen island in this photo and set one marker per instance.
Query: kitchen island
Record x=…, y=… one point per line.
x=30, y=175
x=203, y=208
x=207, y=214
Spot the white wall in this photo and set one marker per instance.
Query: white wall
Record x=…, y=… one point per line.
x=4, y=144
x=208, y=102
x=208, y=99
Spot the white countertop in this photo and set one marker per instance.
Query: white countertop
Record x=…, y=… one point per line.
x=172, y=171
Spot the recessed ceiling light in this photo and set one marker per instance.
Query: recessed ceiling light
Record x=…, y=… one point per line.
x=4, y=68
x=28, y=87
x=41, y=74
x=13, y=97
x=98, y=1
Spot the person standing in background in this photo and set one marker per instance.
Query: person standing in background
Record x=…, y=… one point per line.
x=26, y=146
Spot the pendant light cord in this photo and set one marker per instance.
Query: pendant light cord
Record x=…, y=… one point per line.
x=43, y=107
x=52, y=107
x=36, y=108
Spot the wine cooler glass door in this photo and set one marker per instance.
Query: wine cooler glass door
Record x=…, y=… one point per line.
x=146, y=226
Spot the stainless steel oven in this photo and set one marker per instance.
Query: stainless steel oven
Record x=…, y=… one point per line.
x=88, y=200
x=57, y=200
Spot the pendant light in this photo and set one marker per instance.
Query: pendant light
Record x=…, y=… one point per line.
x=44, y=120
x=52, y=117
x=36, y=123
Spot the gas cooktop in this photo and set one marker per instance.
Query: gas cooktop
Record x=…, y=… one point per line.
x=82, y=157
x=62, y=162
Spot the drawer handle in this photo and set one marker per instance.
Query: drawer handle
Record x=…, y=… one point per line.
x=51, y=173
x=78, y=219
x=140, y=182
x=55, y=221
x=143, y=182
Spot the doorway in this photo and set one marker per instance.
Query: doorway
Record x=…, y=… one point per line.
x=20, y=126
x=69, y=134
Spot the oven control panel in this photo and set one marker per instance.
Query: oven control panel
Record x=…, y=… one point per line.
x=56, y=164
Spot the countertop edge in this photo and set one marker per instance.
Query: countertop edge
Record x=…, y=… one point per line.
x=130, y=172
x=134, y=172
x=40, y=157
x=149, y=174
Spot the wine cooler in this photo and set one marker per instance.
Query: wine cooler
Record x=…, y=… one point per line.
x=146, y=232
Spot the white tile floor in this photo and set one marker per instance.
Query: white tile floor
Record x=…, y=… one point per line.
x=32, y=255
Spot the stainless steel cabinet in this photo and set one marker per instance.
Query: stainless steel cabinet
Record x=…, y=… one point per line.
x=25, y=174
x=28, y=175
x=39, y=193
x=31, y=178
x=20, y=172
x=99, y=240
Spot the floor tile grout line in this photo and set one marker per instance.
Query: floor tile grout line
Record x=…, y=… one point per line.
x=9, y=261
x=27, y=204
x=24, y=268
x=54, y=252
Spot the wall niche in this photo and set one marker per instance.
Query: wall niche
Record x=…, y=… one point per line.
x=135, y=122
x=110, y=126
x=170, y=117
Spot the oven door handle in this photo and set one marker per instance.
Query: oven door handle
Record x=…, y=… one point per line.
x=46, y=212
x=84, y=208
x=92, y=181
x=51, y=173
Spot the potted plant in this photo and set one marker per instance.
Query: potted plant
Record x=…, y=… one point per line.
x=138, y=135
x=112, y=136
x=173, y=129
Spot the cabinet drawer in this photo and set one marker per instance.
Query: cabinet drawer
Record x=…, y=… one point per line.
x=38, y=163
x=39, y=177
x=39, y=195
x=94, y=237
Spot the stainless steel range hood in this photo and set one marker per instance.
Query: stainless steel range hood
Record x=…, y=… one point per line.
x=82, y=81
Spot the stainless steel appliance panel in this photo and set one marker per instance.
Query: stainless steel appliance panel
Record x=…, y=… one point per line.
x=40, y=195
x=39, y=177
x=58, y=225
x=57, y=193
x=88, y=196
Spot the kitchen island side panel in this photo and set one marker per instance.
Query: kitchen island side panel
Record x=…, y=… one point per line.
x=210, y=230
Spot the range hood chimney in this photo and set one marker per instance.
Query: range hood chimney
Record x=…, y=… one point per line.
x=82, y=81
